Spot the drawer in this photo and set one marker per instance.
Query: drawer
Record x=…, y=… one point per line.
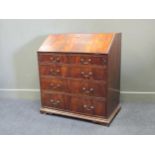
x=87, y=106
x=87, y=59
x=52, y=58
x=54, y=84
x=82, y=59
x=54, y=70
x=53, y=100
x=84, y=87
x=88, y=72
x=73, y=71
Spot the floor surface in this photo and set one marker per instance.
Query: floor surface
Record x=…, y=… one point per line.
x=21, y=117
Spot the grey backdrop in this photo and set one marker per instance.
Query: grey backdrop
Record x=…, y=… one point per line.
x=20, y=39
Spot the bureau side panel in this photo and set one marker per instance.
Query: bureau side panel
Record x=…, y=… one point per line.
x=114, y=60
x=41, y=94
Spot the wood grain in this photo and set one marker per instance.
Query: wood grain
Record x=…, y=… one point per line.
x=78, y=43
x=114, y=60
x=80, y=75
x=70, y=58
x=82, y=72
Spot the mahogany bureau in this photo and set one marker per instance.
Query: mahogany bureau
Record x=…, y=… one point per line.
x=80, y=75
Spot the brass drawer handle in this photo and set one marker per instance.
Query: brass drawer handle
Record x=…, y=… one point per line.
x=88, y=107
x=51, y=58
x=55, y=86
x=90, y=74
x=83, y=61
x=54, y=72
x=88, y=91
x=57, y=59
x=55, y=103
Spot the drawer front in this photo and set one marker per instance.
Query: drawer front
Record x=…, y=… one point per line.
x=87, y=106
x=82, y=72
x=54, y=70
x=52, y=58
x=54, y=84
x=84, y=87
x=88, y=72
x=72, y=59
x=87, y=60
x=53, y=100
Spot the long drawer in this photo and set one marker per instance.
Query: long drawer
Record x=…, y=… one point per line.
x=83, y=105
x=75, y=86
x=74, y=71
x=84, y=59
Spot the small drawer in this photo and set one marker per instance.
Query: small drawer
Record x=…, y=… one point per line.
x=53, y=70
x=88, y=59
x=54, y=84
x=87, y=106
x=84, y=87
x=88, y=72
x=53, y=100
x=52, y=58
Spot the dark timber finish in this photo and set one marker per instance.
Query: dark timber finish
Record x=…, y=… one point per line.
x=80, y=75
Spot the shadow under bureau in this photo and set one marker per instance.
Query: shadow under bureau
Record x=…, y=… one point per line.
x=80, y=75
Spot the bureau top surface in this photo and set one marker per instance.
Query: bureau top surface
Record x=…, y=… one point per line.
x=78, y=43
